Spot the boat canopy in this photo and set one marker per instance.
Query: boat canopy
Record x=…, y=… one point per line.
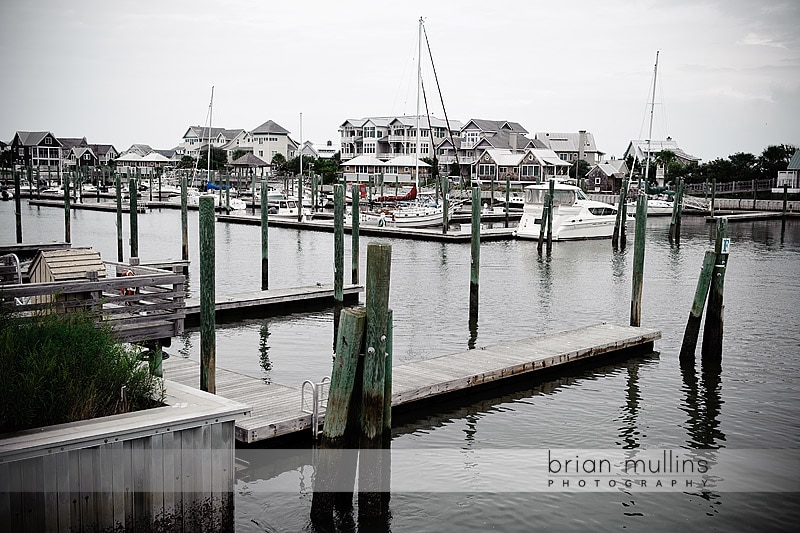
x=560, y=196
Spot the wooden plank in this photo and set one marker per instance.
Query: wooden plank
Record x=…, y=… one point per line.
x=104, y=482
x=118, y=484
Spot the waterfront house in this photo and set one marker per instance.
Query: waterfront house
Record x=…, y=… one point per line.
x=530, y=166
x=638, y=150
x=363, y=168
x=789, y=177
x=319, y=151
x=571, y=147
x=270, y=139
x=607, y=176
x=38, y=149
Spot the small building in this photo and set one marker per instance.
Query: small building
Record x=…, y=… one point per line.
x=38, y=149
x=72, y=264
x=789, y=177
x=607, y=176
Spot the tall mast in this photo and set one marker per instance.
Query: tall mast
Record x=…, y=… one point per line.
x=301, y=146
x=419, y=81
x=210, y=112
x=650, y=131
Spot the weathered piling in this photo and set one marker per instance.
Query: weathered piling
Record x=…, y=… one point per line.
x=228, y=193
x=475, y=255
x=133, y=192
x=264, y=237
x=445, y=204
x=550, y=208
x=355, y=220
x=785, y=199
x=208, y=343
x=184, y=222
x=370, y=468
x=118, y=190
x=677, y=212
x=508, y=198
x=692, y=330
x=623, y=191
x=386, y=438
x=543, y=225
x=67, y=221
x=623, y=228
x=336, y=467
x=338, y=244
x=18, y=205
x=712, y=333
x=638, y=256
x=713, y=194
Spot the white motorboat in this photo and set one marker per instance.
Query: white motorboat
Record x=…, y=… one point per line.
x=193, y=199
x=411, y=215
x=287, y=209
x=655, y=207
x=574, y=215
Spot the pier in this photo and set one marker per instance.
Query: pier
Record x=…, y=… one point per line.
x=277, y=409
x=280, y=301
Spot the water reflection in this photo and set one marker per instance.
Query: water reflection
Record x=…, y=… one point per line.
x=702, y=404
x=473, y=332
x=629, y=432
x=263, y=352
x=619, y=265
x=545, y=282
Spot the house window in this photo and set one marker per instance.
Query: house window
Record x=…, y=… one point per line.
x=597, y=181
x=260, y=153
x=48, y=140
x=528, y=170
x=486, y=170
x=563, y=157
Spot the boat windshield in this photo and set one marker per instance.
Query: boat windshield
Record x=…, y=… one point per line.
x=561, y=196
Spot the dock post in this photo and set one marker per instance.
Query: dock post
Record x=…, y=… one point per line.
x=355, y=220
x=550, y=208
x=785, y=198
x=67, y=228
x=228, y=193
x=638, y=256
x=620, y=211
x=18, y=203
x=542, y=226
x=370, y=465
x=208, y=344
x=118, y=188
x=264, y=237
x=184, y=223
x=675, y=222
x=755, y=193
x=338, y=244
x=713, y=194
x=692, y=330
x=475, y=257
x=133, y=193
x=300, y=196
x=386, y=439
x=508, y=196
x=623, y=229
x=712, y=334
x=253, y=193
x=445, y=204
x=314, y=200
x=336, y=467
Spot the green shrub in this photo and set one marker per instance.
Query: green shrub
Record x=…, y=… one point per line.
x=58, y=368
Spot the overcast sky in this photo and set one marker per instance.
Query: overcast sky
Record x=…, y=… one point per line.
x=125, y=72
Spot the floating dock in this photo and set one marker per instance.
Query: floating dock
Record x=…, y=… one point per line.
x=271, y=301
x=755, y=215
x=277, y=409
x=90, y=206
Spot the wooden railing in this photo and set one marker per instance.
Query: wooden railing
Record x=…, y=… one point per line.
x=146, y=306
x=732, y=187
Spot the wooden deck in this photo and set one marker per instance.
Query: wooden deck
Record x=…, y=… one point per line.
x=283, y=300
x=745, y=217
x=276, y=409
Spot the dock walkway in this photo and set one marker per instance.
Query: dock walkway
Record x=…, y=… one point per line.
x=276, y=409
x=259, y=302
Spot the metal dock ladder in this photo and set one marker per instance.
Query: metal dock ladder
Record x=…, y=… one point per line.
x=318, y=402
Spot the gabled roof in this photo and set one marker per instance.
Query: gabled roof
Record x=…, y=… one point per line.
x=364, y=160
x=494, y=125
x=71, y=142
x=794, y=162
x=607, y=169
x=250, y=160
x=567, y=142
x=504, y=157
x=155, y=157
x=547, y=156
x=129, y=156
x=102, y=149
x=79, y=151
x=404, y=161
x=638, y=149
x=169, y=154
x=202, y=132
x=33, y=138
x=270, y=127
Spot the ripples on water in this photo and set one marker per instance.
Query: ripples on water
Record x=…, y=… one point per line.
x=646, y=402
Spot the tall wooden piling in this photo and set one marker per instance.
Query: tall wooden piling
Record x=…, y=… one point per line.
x=508, y=197
x=785, y=199
x=475, y=256
x=67, y=220
x=638, y=256
x=623, y=227
x=619, y=221
x=300, y=196
x=692, y=330
x=208, y=342
x=355, y=221
x=386, y=437
x=264, y=237
x=445, y=204
x=677, y=212
x=550, y=208
x=118, y=190
x=370, y=468
x=338, y=244
x=712, y=333
x=228, y=193
x=18, y=204
x=543, y=225
x=133, y=192
x=184, y=221
x=713, y=194
x=336, y=467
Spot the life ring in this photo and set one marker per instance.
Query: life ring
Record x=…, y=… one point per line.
x=127, y=291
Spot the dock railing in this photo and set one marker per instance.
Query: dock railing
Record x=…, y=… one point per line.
x=145, y=305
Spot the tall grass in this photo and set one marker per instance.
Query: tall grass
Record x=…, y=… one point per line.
x=58, y=368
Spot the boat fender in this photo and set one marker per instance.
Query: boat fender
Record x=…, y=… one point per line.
x=128, y=291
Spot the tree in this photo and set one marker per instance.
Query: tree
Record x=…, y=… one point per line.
x=775, y=158
x=665, y=158
x=327, y=168
x=278, y=164
x=745, y=166
x=581, y=169
x=236, y=154
x=186, y=161
x=218, y=159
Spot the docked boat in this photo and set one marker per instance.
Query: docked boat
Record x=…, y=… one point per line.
x=655, y=207
x=287, y=209
x=410, y=215
x=574, y=215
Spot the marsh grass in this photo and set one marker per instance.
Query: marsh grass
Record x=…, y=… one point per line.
x=57, y=368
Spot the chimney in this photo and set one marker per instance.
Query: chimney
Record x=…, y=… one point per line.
x=581, y=143
x=512, y=137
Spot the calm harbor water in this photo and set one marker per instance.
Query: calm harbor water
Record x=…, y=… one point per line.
x=648, y=402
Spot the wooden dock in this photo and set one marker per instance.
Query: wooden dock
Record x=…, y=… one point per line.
x=426, y=234
x=90, y=206
x=754, y=215
x=271, y=301
x=277, y=410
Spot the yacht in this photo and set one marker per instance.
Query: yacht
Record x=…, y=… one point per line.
x=574, y=215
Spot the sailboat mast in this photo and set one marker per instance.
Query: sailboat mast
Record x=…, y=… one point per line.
x=419, y=81
x=210, y=113
x=650, y=131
